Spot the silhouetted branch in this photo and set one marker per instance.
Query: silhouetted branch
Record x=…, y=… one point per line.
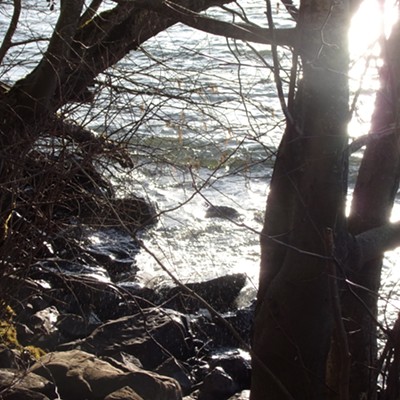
x=90, y=11
x=240, y=31
x=7, y=41
x=369, y=138
x=373, y=243
x=35, y=93
x=291, y=9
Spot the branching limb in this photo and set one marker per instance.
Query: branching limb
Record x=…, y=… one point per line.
x=276, y=70
x=90, y=11
x=35, y=93
x=7, y=41
x=291, y=9
x=240, y=31
x=370, y=138
x=373, y=243
x=109, y=36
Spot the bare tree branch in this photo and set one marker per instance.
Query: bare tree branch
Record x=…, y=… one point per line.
x=370, y=138
x=35, y=93
x=90, y=11
x=7, y=41
x=373, y=243
x=109, y=36
x=291, y=9
x=241, y=31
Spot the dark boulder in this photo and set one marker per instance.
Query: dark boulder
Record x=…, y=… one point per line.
x=208, y=328
x=217, y=385
x=152, y=336
x=236, y=364
x=221, y=293
x=73, y=326
x=9, y=358
x=177, y=370
x=224, y=212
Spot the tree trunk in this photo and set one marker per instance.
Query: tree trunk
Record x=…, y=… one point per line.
x=28, y=104
x=294, y=318
x=79, y=50
x=373, y=197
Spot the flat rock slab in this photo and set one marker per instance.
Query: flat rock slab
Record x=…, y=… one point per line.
x=151, y=336
x=80, y=375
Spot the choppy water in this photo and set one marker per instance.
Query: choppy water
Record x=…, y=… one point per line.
x=202, y=127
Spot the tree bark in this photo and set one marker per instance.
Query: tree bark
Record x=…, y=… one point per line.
x=28, y=104
x=30, y=100
x=294, y=318
x=373, y=197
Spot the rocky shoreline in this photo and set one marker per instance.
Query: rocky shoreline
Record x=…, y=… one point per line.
x=76, y=324
x=115, y=339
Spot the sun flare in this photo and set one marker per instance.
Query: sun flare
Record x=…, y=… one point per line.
x=372, y=20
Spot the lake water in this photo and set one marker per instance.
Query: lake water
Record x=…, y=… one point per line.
x=202, y=120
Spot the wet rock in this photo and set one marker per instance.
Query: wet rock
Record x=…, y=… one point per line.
x=112, y=248
x=142, y=296
x=21, y=385
x=174, y=369
x=220, y=293
x=44, y=320
x=43, y=326
x=54, y=269
x=242, y=321
x=217, y=385
x=80, y=295
x=80, y=375
x=192, y=396
x=209, y=329
x=74, y=326
x=8, y=358
x=134, y=211
x=199, y=368
x=243, y=395
x=236, y=365
x=224, y=212
x=152, y=336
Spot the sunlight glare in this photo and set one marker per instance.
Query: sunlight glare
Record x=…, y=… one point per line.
x=365, y=29
x=367, y=25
